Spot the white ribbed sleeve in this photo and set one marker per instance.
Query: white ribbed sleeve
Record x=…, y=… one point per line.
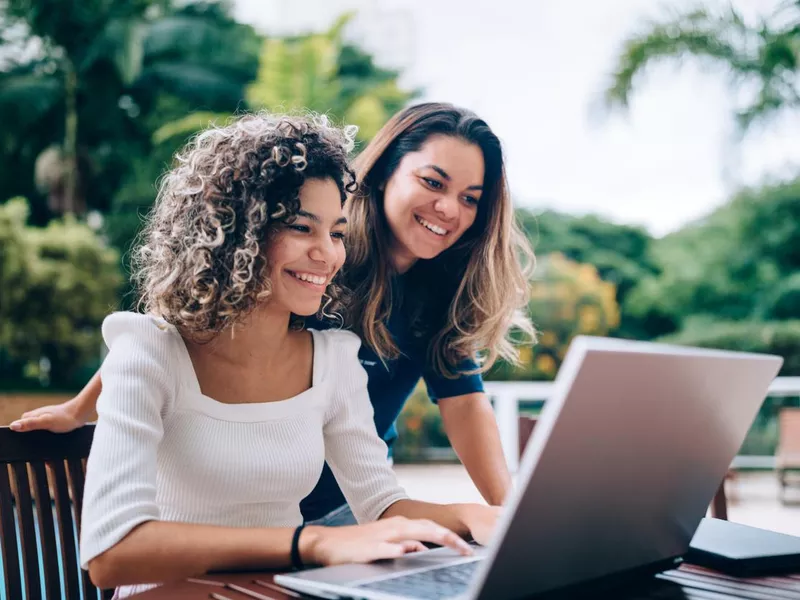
x=121, y=471
x=356, y=454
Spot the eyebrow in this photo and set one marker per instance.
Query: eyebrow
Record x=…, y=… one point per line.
x=316, y=219
x=444, y=174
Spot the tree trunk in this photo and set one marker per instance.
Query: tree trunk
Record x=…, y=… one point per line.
x=70, y=138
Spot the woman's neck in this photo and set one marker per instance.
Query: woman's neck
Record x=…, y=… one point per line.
x=261, y=339
x=262, y=361
x=401, y=259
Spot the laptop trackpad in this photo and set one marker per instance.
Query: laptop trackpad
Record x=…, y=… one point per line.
x=348, y=574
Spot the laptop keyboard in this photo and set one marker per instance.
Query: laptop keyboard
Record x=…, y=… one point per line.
x=444, y=582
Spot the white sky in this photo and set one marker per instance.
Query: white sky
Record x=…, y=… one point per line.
x=534, y=71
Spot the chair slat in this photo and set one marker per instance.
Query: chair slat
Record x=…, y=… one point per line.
x=8, y=536
x=27, y=531
x=76, y=478
x=69, y=556
x=47, y=534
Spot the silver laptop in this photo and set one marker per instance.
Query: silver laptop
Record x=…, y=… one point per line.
x=622, y=465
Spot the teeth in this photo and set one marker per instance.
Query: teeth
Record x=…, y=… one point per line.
x=434, y=228
x=315, y=279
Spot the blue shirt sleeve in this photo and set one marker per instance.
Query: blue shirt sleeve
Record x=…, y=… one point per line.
x=440, y=386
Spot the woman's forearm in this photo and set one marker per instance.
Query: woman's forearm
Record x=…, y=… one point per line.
x=158, y=551
x=67, y=416
x=85, y=403
x=471, y=427
x=446, y=515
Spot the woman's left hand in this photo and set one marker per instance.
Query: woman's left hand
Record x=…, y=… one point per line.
x=481, y=520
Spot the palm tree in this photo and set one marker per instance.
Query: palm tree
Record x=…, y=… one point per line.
x=79, y=73
x=319, y=72
x=764, y=56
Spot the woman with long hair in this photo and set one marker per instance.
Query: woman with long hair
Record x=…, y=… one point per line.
x=438, y=272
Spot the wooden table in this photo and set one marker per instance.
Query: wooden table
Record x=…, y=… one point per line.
x=193, y=589
x=688, y=582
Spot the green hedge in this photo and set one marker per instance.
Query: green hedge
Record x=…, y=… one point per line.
x=773, y=337
x=783, y=301
x=57, y=283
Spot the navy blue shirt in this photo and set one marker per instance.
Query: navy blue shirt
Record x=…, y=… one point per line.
x=389, y=387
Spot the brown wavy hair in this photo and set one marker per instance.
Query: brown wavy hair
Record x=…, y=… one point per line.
x=201, y=262
x=482, y=281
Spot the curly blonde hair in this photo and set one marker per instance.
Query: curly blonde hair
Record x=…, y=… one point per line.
x=201, y=263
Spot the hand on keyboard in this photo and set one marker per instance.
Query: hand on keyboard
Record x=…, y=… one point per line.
x=387, y=538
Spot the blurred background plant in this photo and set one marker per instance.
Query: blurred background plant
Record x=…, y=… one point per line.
x=568, y=299
x=57, y=283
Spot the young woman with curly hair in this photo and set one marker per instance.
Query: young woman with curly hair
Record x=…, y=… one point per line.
x=438, y=272
x=217, y=409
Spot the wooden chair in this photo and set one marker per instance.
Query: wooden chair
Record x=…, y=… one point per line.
x=719, y=505
x=27, y=498
x=526, y=424
x=787, y=456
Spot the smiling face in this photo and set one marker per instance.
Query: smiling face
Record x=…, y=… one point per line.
x=306, y=254
x=432, y=198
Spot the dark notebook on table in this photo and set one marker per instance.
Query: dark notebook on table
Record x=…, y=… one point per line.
x=742, y=550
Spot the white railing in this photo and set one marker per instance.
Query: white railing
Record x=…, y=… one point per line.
x=507, y=394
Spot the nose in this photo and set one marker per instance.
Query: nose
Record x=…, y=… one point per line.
x=323, y=250
x=446, y=206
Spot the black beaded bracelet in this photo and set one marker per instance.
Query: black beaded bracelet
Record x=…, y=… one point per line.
x=297, y=561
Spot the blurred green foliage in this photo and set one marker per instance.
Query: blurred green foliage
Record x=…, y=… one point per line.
x=87, y=83
x=773, y=337
x=621, y=254
x=57, y=283
x=318, y=72
x=732, y=278
x=760, y=57
x=567, y=299
x=420, y=430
